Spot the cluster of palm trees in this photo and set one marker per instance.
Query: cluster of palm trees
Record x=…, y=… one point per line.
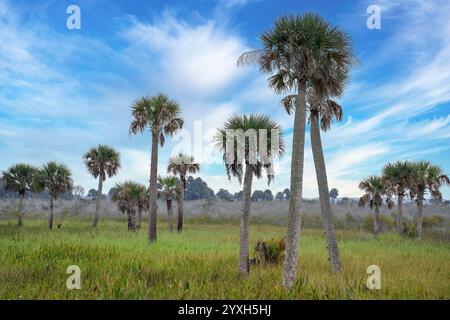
x=403, y=179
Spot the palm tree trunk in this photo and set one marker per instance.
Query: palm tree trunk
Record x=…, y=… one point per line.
x=169, y=215
x=97, y=201
x=244, y=253
x=139, y=217
x=50, y=218
x=376, y=221
x=131, y=223
x=20, y=222
x=419, y=215
x=153, y=188
x=400, y=213
x=296, y=187
x=180, y=202
x=322, y=183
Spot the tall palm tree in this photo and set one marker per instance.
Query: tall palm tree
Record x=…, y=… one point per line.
x=375, y=190
x=181, y=165
x=56, y=179
x=101, y=162
x=426, y=177
x=19, y=178
x=129, y=196
x=254, y=141
x=398, y=179
x=161, y=115
x=168, y=188
x=293, y=53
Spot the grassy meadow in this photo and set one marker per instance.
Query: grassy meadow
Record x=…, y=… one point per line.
x=201, y=263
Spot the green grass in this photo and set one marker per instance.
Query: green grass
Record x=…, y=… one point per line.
x=201, y=263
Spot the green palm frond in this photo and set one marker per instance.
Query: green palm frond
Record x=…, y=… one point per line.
x=102, y=161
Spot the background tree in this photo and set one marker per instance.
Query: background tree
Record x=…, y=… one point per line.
x=181, y=165
x=426, y=177
x=251, y=162
x=167, y=193
x=238, y=196
x=161, y=115
x=268, y=196
x=374, y=190
x=128, y=196
x=398, y=179
x=279, y=196
x=78, y=191
x=56, y=179
x=101, y=162
x=197, y=189
x=19, y=178
x=334, y=193
x=287, y=194
x=224, y=195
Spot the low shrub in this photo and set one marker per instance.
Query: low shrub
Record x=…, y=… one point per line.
x=269, y=252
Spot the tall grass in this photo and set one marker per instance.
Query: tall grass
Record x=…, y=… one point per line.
x=201, y=263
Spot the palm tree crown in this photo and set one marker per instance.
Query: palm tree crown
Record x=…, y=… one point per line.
x=168, y=185
x=427, y=176
x=398, y=176
x=129, y=196
x=182, y=164
x=56, y=178
x=102, y=161
x=374, y=189
x=19, y=178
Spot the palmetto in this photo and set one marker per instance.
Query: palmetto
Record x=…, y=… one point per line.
x=375, y=190
x=19, y=178
x=161, y=116
x=56, y=179
x=101, y=162
x=251, y=162
x=167, y=193
x=130, y=197
x=182, y=164
x=298, y=50
x=426, y=177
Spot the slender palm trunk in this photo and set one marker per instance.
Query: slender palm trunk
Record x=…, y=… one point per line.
x=244, y=252
x=19, y=221
x=180, y=202
x=169, y=214
x=376, y=221
x=153, y=189
x=97, y=201
x=295, y=202
x=50, y=218
x=322, y=182
x=400, y=213
x=419, y=215
x=139, y=217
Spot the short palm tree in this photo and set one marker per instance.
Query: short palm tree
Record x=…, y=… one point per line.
x=426, y=177
x=167, y=193
x=248, y=144
x=398, y=179
x=375, y=190
x=56, y=179
x=293, y=53
x=181, y=165
x=101, y=162
x=19, y=178
x=161, y=115
x=129, y=197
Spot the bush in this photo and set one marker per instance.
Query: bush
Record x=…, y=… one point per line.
x=269, y=252
x=386, y=223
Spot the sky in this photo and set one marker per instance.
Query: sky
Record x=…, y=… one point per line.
x=63, y=91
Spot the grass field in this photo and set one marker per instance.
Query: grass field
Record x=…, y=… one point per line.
x=201, y=263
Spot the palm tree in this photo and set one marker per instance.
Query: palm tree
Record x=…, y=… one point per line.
x=398, y=179
x=168, y=186
x=161, y=116
x=426, y=177
x=129, y=196
x=56, y=179
x=375, y=190
x=101, y=162
x=19, y=178
x=265, y=140
x=293, y=53
x=181, y=165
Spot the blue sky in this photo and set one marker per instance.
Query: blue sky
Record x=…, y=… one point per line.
x=63, y=91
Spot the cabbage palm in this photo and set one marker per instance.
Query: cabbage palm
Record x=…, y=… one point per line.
x=294, y=52
x=181, y=165
x=101, y=162
x=19, y=178
x=426, y=178
x=56, y=179
x=160, y=115
x=398, y=179
x=168, y=188
x=246, y=155
x=375, y=190
x=129, y=196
